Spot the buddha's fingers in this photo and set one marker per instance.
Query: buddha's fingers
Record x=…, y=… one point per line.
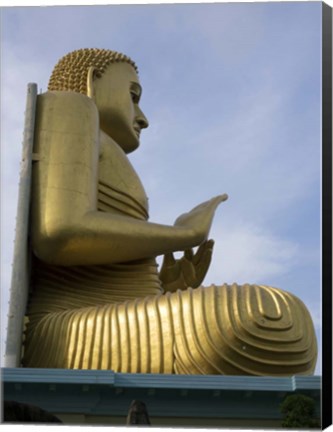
x=170, y=270
x=203, y=266
x=188, y=272
x=213, y=203
x=206, y=245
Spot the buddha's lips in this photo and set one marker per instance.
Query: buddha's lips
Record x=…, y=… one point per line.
x=137, y=131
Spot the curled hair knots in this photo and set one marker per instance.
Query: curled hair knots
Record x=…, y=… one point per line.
x=70, y=73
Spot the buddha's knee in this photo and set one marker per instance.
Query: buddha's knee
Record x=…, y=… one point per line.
x=240, y=330
x=231, y=330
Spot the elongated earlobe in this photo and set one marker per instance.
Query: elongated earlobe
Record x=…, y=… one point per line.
x=90, y=82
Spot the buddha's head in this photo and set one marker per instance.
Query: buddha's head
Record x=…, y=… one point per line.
x=111, y=80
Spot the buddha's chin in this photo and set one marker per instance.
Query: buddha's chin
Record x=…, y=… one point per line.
x=129, y=147
x=130, y=144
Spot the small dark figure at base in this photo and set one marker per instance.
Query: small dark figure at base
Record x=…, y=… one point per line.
x=137, y=414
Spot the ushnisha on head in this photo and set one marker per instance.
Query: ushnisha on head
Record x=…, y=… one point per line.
x=111, y=80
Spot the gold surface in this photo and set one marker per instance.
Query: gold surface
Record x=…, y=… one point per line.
x=98, y=301
x=235, y=330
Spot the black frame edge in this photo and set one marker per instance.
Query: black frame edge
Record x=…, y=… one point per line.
x=327, y=215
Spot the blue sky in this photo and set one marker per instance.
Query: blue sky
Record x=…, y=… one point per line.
x=233, y=96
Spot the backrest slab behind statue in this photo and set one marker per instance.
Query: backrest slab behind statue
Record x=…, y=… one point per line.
x=97, y=299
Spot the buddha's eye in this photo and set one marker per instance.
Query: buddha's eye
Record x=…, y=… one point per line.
x=135, y=97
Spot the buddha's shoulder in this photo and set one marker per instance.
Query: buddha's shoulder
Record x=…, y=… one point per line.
x=66, y=103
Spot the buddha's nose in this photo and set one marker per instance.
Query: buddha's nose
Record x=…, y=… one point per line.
x=141, y=119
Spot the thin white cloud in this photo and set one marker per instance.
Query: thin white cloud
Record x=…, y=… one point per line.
x=249, y=254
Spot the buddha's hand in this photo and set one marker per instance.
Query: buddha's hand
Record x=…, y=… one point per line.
x=200, y=218
x=188, y=271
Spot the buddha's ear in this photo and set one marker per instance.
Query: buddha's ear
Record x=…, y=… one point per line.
x=90, y=82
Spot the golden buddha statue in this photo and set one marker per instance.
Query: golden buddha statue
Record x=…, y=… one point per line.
x=97, y=298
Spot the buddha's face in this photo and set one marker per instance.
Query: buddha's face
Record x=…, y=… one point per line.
x=117, y=94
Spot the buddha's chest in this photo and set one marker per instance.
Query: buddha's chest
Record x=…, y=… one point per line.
x=120, y=189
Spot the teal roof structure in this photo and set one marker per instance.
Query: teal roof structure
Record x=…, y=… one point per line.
x=97, y=392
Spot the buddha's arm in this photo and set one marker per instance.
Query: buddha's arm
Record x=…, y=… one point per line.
x=67, y=229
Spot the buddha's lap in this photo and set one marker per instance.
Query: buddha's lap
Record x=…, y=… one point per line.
x=224, y=329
